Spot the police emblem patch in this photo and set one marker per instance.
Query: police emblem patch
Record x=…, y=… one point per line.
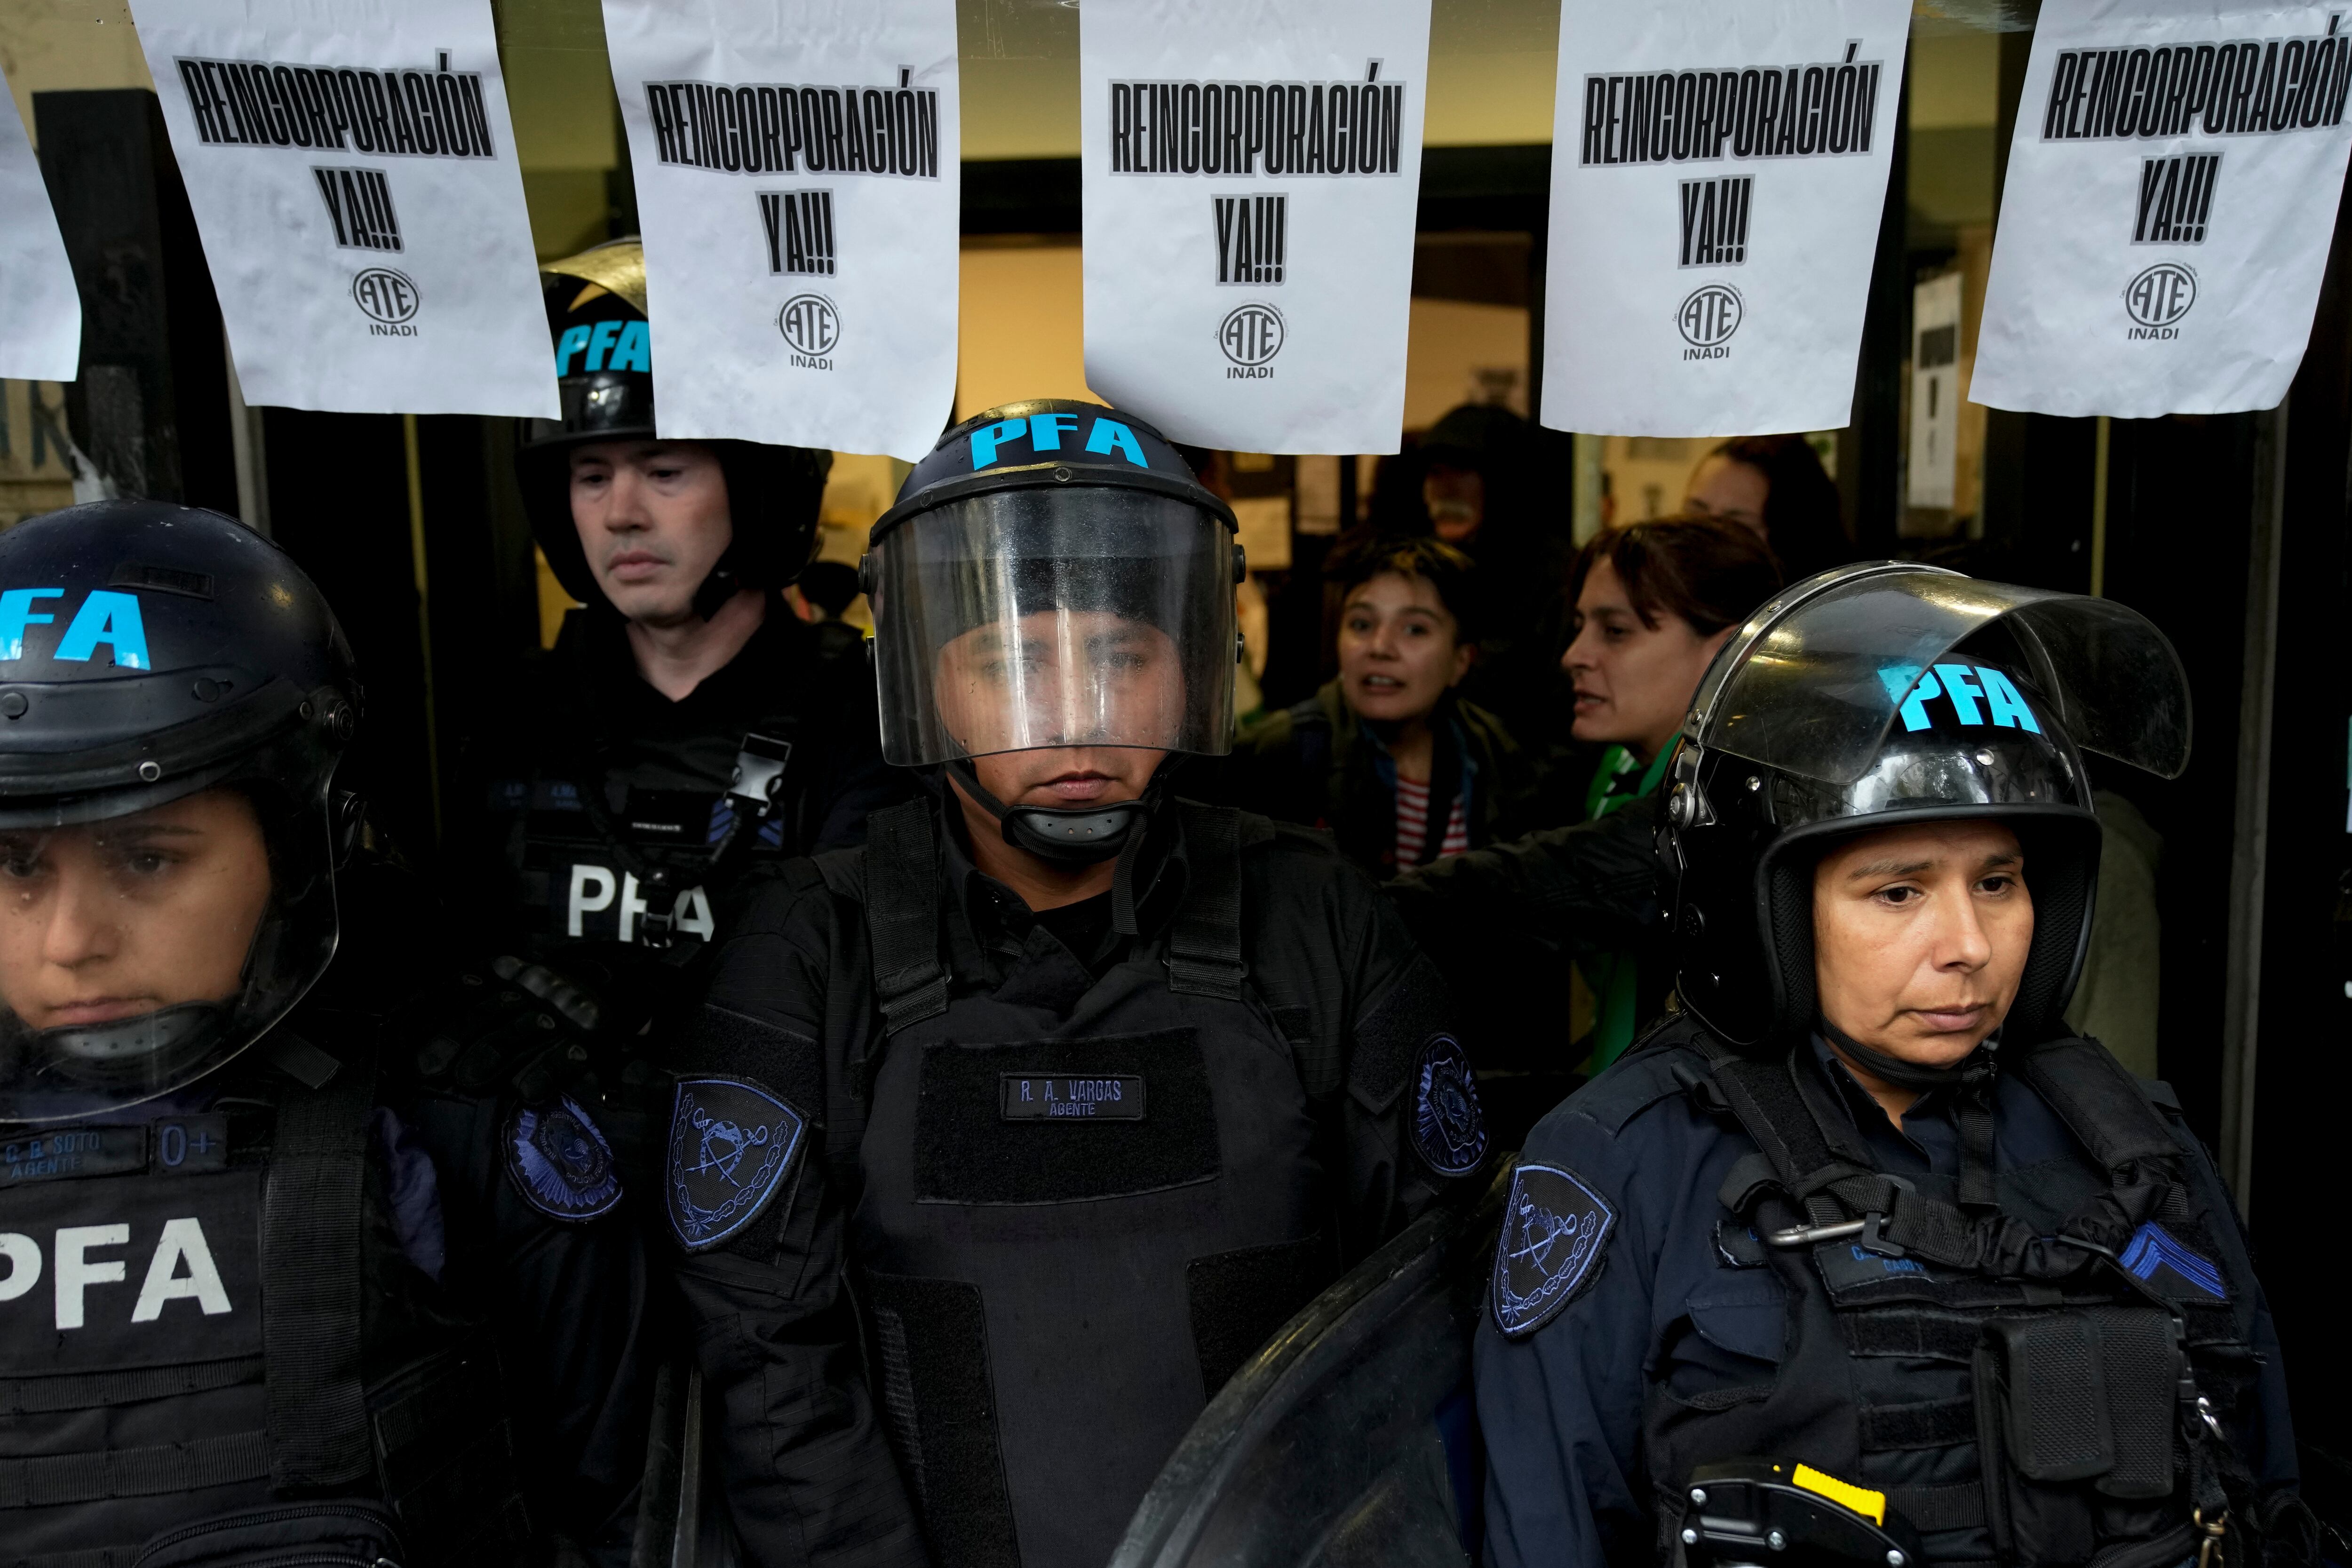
x=1554, y=1229
x=732, y=1143
x=559, y=1162
x=1449, y=1127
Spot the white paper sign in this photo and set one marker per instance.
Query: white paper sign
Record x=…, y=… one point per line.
x=40, y=310
x=1718, y=171
x=797, y=179
x=1251, y=176
x=1933, y=473
x=352, y=170
x=2171, y=194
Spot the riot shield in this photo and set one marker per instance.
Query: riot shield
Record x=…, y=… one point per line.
x=1348, y=1439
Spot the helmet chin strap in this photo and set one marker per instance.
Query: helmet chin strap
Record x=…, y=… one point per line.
x=723, y=584
x=1064, y=835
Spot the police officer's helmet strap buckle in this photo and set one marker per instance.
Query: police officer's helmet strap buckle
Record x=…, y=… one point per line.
x=759, y=778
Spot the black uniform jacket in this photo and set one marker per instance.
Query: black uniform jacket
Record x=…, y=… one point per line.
x=1068, y=1192
x=1640, y=1296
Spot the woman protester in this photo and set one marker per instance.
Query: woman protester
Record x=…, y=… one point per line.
x=1387, y=756
x=1863, y=1255
x=1654, y=601
x=1775, y=487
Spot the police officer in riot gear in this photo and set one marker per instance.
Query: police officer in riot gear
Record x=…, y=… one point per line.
x=261, y=1282
x=1077, y=1089
x=687, y=726
x=1860, y=1256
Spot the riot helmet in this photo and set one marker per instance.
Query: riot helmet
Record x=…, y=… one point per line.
x=604, y=376
x=1872, y=695
x=1054, y=576
x=174, y=696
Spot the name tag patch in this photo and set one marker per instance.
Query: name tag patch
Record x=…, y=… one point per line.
x=172, y=1146
x=1027, y=1097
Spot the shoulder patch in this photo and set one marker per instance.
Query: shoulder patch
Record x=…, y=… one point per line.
x=1555, y=1229
x=558, y=1160
x=1449, y=1126
x=2174, y=1268
x=732, y=1143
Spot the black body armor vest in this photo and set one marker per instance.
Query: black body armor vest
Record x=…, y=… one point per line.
x=624, y=820
x=1085, y=1201
x=206, y=1319
x=2036, y=1369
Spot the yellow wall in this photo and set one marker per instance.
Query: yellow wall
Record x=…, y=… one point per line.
x=1020, y=330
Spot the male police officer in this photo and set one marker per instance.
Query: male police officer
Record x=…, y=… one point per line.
x=1083, y=1090
x=1861, y=1258
x=687, y=726
x=259, y=1263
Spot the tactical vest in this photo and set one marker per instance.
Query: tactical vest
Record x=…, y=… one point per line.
x=1085, y=1203
x=2040, y=1373
x=204, y=1316
x=629, y=843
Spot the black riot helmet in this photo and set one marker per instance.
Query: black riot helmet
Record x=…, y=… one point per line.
x=174, y=696
x=1054, y=575
x=604, y=375
x=1876, y=694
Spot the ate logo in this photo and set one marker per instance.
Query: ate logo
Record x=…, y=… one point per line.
x=1706, y=318
x=812, y=327
x=387, y=297
x=2157, y=298
x=1250, y=335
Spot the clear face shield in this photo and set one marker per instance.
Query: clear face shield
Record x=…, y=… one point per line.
x=1019, y=619
x=142, y=950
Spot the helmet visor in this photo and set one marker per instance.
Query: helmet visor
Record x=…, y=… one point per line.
x=1814, y=681
x=1019, y=619
x=141, y=951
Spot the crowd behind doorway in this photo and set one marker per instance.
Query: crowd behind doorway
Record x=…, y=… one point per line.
x=1452, y=669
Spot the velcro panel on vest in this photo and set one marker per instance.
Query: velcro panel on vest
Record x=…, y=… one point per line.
x=1239, y=1299
x=722, y=1040
x=1392, y=1035
x=1912, y=1333
x=965, y=1152
x=938, y=1399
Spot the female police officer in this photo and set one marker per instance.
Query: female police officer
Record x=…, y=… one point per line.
x=1080, y=1089
x=1860, y=1258
x=276, y=1272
